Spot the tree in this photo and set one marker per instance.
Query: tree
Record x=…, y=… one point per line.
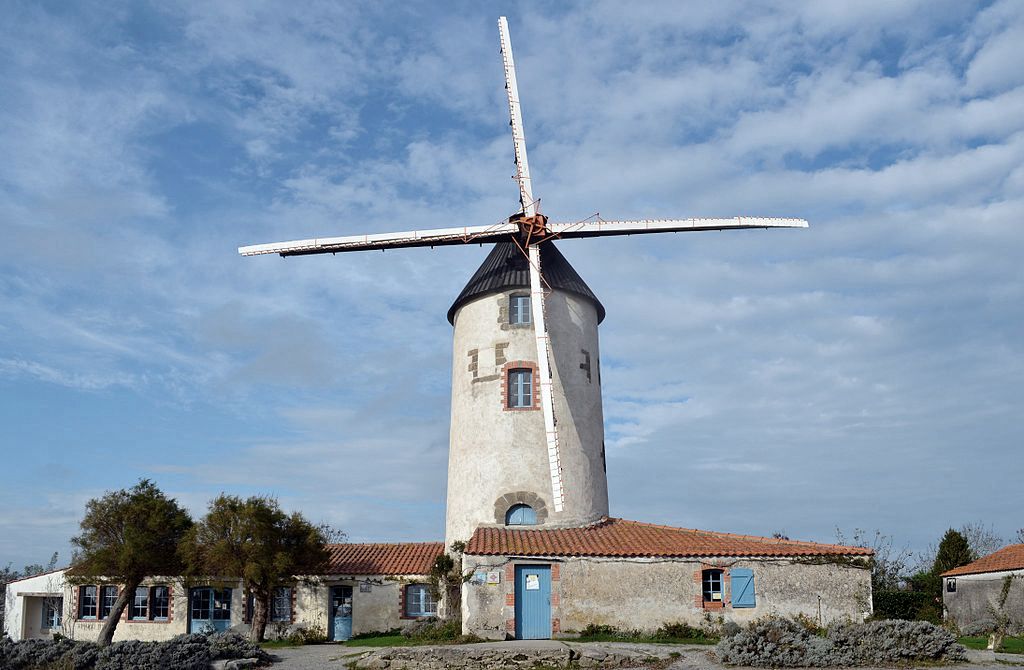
x=982, y=539
x=255, y=541
x=1020, y=536
x=889, y=564
x=954, y=551
x=125, y=536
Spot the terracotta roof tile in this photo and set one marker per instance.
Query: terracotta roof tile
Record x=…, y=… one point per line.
x=1007, y=558
x=406, y=558
x=621, y=538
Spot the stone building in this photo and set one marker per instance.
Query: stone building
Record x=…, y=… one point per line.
x=630, y=575
x=973, y=594
x=366, y=587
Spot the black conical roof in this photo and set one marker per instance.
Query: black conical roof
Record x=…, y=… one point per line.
x=507, y=267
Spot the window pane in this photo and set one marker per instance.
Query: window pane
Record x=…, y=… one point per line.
x=107, y=597
x=712, y=585
x=161, y=602
x=140, y=603
x=419, y=601
x=520, y=388
x=222, y=605
x=87, y=598
x=281, y=605
x=201, y=604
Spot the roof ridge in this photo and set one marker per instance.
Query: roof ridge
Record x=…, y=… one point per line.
x=380, y=544
x=758, y=538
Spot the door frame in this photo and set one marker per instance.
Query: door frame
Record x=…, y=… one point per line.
x=520, y=598
x=330, y=610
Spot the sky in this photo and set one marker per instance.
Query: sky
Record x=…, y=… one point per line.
x=867, y=372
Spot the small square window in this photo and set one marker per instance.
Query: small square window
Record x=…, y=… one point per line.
x=520, y=388
x=519, y=309
x=712, y=586
x=52, y=608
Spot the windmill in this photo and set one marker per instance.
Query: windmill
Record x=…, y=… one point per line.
x=531, y=232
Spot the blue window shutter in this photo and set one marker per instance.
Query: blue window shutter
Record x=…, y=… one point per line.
x=742, y=587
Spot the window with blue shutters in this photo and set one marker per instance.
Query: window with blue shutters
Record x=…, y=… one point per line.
x=519, y=309
x=520, y=515
x=520, y=388
x=742, y=587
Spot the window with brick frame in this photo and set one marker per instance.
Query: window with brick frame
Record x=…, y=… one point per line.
x=711, y=586
x=160, y=603
x=519, y=309
x=88, y=601
x=520, y=388
x=108, y=594
x=419, y=601
x=140, y=604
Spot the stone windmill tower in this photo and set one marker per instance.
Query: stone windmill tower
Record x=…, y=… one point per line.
x=527, y=433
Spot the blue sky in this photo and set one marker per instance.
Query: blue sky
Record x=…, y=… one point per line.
x=867, y=372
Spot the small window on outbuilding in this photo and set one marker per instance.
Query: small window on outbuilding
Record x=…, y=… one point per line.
x=52, y=608
x=519, y=309
x=711, y=581
x=108, y=594
x=281, y=604
x=520, y=515
x=520, y=388
x=161, y=603
x=951, y=585
x=419, y=601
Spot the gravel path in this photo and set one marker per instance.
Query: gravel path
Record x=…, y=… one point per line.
x=691, y=657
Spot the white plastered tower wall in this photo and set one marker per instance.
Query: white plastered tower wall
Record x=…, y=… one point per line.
x=496, y=455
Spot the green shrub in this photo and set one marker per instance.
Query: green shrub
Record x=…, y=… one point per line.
x=679, y=631
x=890, y=604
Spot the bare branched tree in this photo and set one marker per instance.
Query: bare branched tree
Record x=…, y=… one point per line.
x=890, y=564
x=983, y=539
x=1020, y=536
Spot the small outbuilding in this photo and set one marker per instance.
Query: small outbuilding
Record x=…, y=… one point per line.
x=976, y=594
x=365, y=588
x=536, y=584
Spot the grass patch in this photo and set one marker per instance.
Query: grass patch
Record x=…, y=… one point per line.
x=1011, y=645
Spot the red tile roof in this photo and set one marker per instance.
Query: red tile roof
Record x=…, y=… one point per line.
x=406, y=558
x=621, y=538
x=1007, y=558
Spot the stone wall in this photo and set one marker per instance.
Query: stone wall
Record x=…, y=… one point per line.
x=646, y=593
x=977, y=595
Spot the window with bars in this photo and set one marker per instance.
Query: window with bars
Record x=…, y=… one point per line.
x=87, y=602
x=419, y=601
x=519, y=309
x=520, y=388
x=108, y=594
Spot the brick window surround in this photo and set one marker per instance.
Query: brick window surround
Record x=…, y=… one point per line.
x=698, y=580
x=520, y=365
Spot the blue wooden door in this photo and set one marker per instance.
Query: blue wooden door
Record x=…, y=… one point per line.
x=209, y=610
x=341, y=613
x=533, y=602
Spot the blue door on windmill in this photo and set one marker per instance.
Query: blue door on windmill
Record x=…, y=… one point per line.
x=533, y=602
